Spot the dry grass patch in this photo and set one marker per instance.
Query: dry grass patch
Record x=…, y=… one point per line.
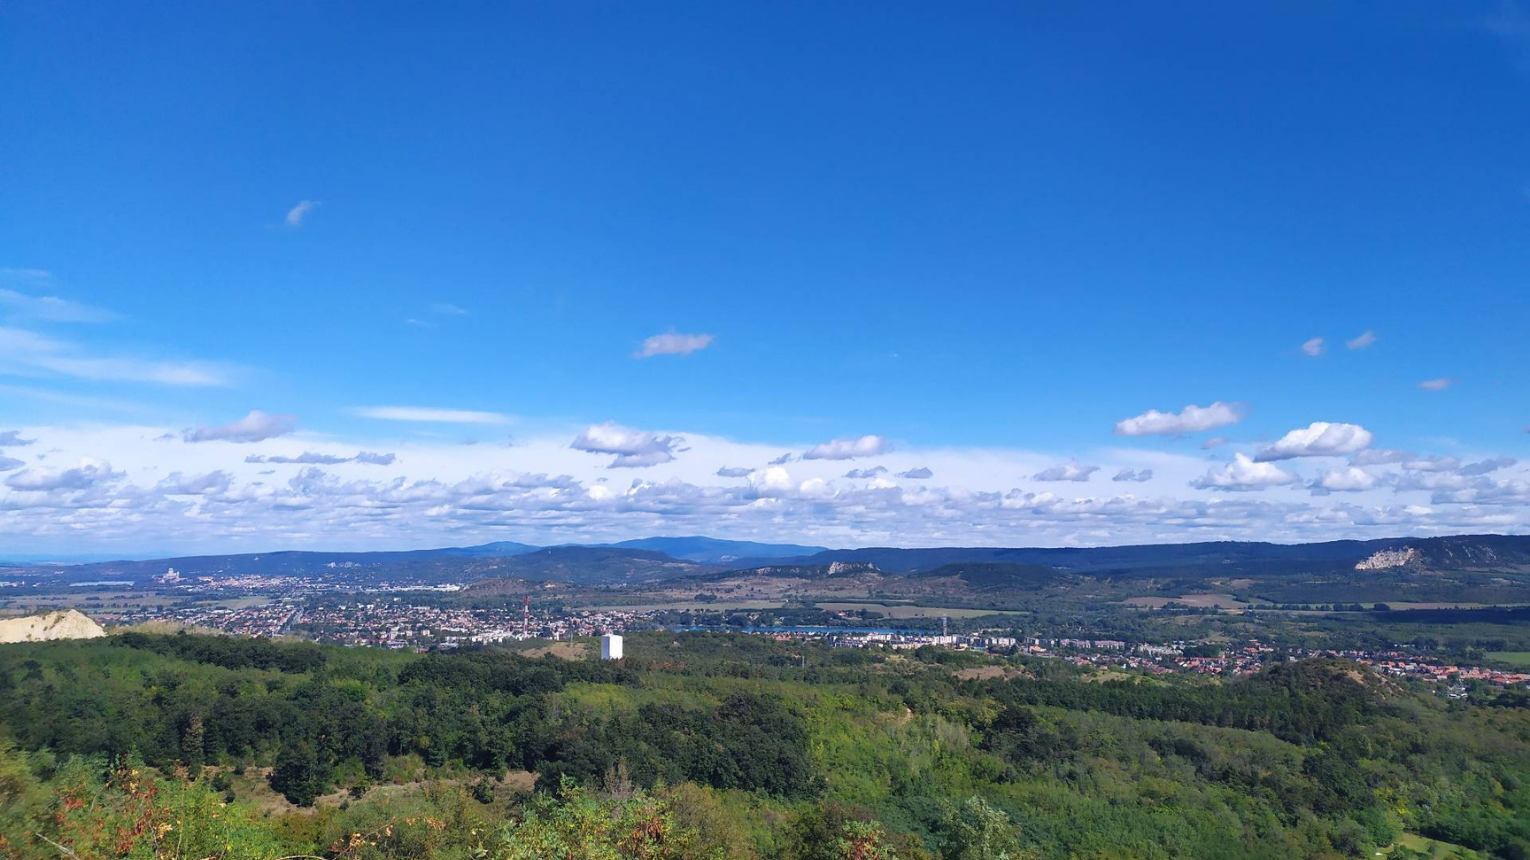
x=1199, y=601
x=561, y=650
x=990, y=673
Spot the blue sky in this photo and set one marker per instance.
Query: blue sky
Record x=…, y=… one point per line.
x=983, y=236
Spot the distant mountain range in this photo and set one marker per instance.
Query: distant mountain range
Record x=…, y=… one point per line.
x=714, y=551
x=1454, y=552
x=660, y=558
x=642, y=560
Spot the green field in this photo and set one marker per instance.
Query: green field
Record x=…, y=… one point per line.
x=1515, y=658
x=693, y=606
x=1431, y=848
x=898, y=610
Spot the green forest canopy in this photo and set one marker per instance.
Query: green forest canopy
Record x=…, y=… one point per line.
x=732, y=746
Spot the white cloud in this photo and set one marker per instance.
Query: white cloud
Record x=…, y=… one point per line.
x=1313, y=347
x=1318, y=439
x=1066, y=472
x=437, y=492
x=1483, y=491
x=176, y=484
x=920, y=473
x=448, y=309
x=1214, y=442
x=296, y=214
x=82, y=477
x=1191, y=419
x=1432, y=463
x=847, y=449
x=315, y=458
x=1380, y=457
x=1345, y=479
x=28, y=353
x=673, y=344
x=734, y=472
x=772, y=480
x=634, y=449
x=1361, y=341
x=311, y=458
x=426, y=414
x=254, y=427
x=1436, y=384
x=866, y=474
x=1133, y=475
x=1244, y=474
x=815, y=488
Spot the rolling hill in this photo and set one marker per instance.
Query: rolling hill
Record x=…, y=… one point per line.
x=714, y=551
x=1460, y=552
x=651, y=560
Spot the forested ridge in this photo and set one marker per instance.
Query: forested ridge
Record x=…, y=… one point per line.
x=713, y=745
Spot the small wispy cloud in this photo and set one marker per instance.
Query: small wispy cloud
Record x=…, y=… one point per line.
x=314, y=458
x=1436, y=384
x=428, y=414
x=437, y=310
x=1362, y=340
x=254, y=427
x=28, y=353
x=1066, y=472
x=296, y=214
x=212, y=483
x=673, y=343
x=26, y=274
x=1510, y=23
x=1313, y=347
x=920, y=473
x=847, y=449
x=50, y=308
x=1133, y=475
x=307, y=458
x=1191, y=419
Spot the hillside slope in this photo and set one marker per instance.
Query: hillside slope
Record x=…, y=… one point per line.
x=1454, y=552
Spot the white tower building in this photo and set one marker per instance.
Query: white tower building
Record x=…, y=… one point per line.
x=610, y=647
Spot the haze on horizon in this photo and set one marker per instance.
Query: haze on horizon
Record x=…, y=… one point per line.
x=353, y=277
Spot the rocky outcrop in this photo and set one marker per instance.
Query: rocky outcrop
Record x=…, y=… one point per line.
x=1389, y=558
x=70, y=624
